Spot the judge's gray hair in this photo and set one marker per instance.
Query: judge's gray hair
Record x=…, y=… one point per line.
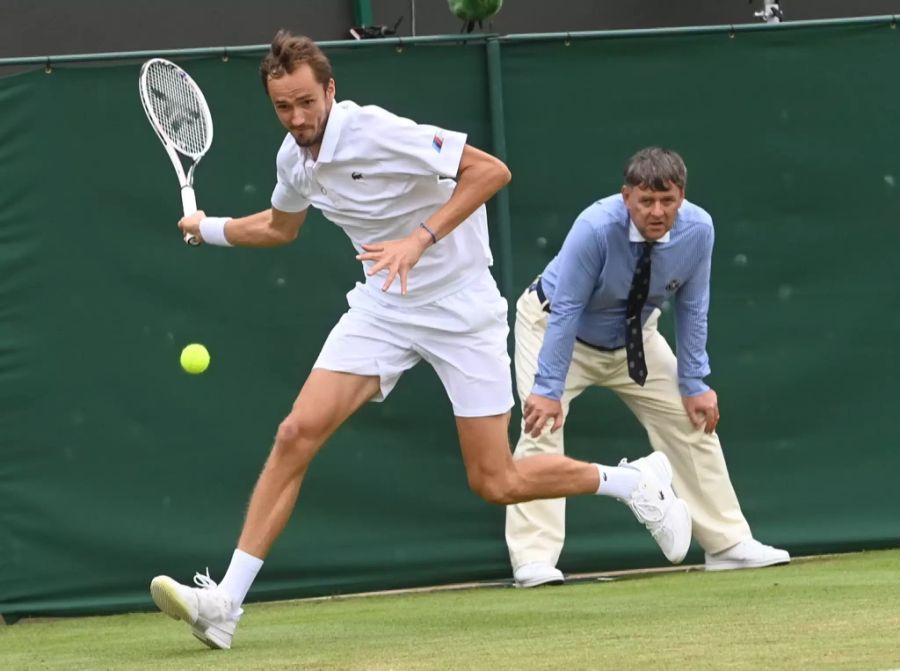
x=656, y=169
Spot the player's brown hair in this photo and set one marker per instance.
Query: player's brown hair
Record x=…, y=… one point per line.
x=289, y=51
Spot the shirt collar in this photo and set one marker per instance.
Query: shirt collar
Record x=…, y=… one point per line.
x=634, y=235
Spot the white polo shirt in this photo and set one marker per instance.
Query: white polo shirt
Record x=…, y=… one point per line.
x=377, y=177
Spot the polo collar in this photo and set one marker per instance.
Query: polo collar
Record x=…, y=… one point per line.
x=333, y=126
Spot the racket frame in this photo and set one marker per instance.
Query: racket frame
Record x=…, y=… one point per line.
x=185, y=179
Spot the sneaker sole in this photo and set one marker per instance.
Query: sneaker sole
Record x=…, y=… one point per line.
x=166, y=597
x=658, y=465
x=682, y=552
x=737, y=565
x=208, y=642
x=537, y=582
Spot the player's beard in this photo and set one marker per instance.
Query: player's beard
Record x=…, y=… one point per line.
x=305, y=143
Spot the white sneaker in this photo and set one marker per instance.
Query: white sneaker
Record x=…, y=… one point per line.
x=746, y=554
x=537, y=573
x=208, y=609
x=655, y=505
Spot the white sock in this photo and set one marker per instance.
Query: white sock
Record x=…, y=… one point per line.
x=240, y=575
x=617, y=482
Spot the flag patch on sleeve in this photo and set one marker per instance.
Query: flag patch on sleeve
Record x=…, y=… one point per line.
x=438, y=141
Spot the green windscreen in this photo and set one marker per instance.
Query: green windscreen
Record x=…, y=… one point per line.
x=116, y=466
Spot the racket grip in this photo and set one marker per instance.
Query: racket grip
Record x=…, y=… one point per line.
x=188, y=201
x=189, y=206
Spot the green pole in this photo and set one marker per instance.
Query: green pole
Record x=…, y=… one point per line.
x=362, y=13
x=498, y=135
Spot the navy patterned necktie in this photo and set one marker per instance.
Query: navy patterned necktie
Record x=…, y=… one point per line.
x=637, y=296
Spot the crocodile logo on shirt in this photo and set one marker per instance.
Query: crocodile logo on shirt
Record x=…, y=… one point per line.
x=356, y=176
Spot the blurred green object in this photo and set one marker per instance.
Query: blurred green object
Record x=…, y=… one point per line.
x=474, y=11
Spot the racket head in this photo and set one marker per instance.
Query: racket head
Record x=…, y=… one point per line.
x=176, y=108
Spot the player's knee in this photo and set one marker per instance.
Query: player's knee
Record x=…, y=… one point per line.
x=297, y=439
x=498, y=489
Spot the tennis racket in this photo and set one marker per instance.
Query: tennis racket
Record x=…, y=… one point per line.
x=180, y=116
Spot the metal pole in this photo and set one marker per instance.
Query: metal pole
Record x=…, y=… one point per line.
x=498, y=137
x=362, y=13
x=246, y=49
x=521, y=38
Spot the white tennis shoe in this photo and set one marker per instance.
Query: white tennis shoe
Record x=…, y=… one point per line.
x=655, y=505
x=206, y=608
x=746, y=554
x=537, y=573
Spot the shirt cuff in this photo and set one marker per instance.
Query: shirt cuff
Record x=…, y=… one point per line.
x=692, y=386
x=548, y=388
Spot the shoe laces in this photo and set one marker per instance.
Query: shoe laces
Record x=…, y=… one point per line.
x=648, y=505
x=205, y=581
x=214, y=606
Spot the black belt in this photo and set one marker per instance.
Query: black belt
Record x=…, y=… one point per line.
x=536, y=288
x=599, y=347
x=545, y=304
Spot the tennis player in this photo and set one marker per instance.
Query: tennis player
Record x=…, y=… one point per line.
x=411, y=199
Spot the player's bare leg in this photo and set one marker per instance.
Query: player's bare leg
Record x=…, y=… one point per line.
x=497, y=478
x=325, y=402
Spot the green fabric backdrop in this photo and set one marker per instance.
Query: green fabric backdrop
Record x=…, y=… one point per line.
x=116, y=466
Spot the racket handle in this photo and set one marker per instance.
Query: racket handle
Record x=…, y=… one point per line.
x=189, y=206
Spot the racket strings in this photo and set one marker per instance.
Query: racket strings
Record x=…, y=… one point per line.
x=178, y=107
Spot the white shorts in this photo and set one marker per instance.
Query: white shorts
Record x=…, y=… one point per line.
x=463, y=336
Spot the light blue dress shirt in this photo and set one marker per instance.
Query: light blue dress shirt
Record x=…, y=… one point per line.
x=587, y=285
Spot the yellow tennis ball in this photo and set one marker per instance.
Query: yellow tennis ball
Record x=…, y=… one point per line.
x=194, y=358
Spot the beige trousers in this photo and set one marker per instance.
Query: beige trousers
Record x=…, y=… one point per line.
x=535, y=531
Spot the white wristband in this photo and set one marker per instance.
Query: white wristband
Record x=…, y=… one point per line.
x=212, y=230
